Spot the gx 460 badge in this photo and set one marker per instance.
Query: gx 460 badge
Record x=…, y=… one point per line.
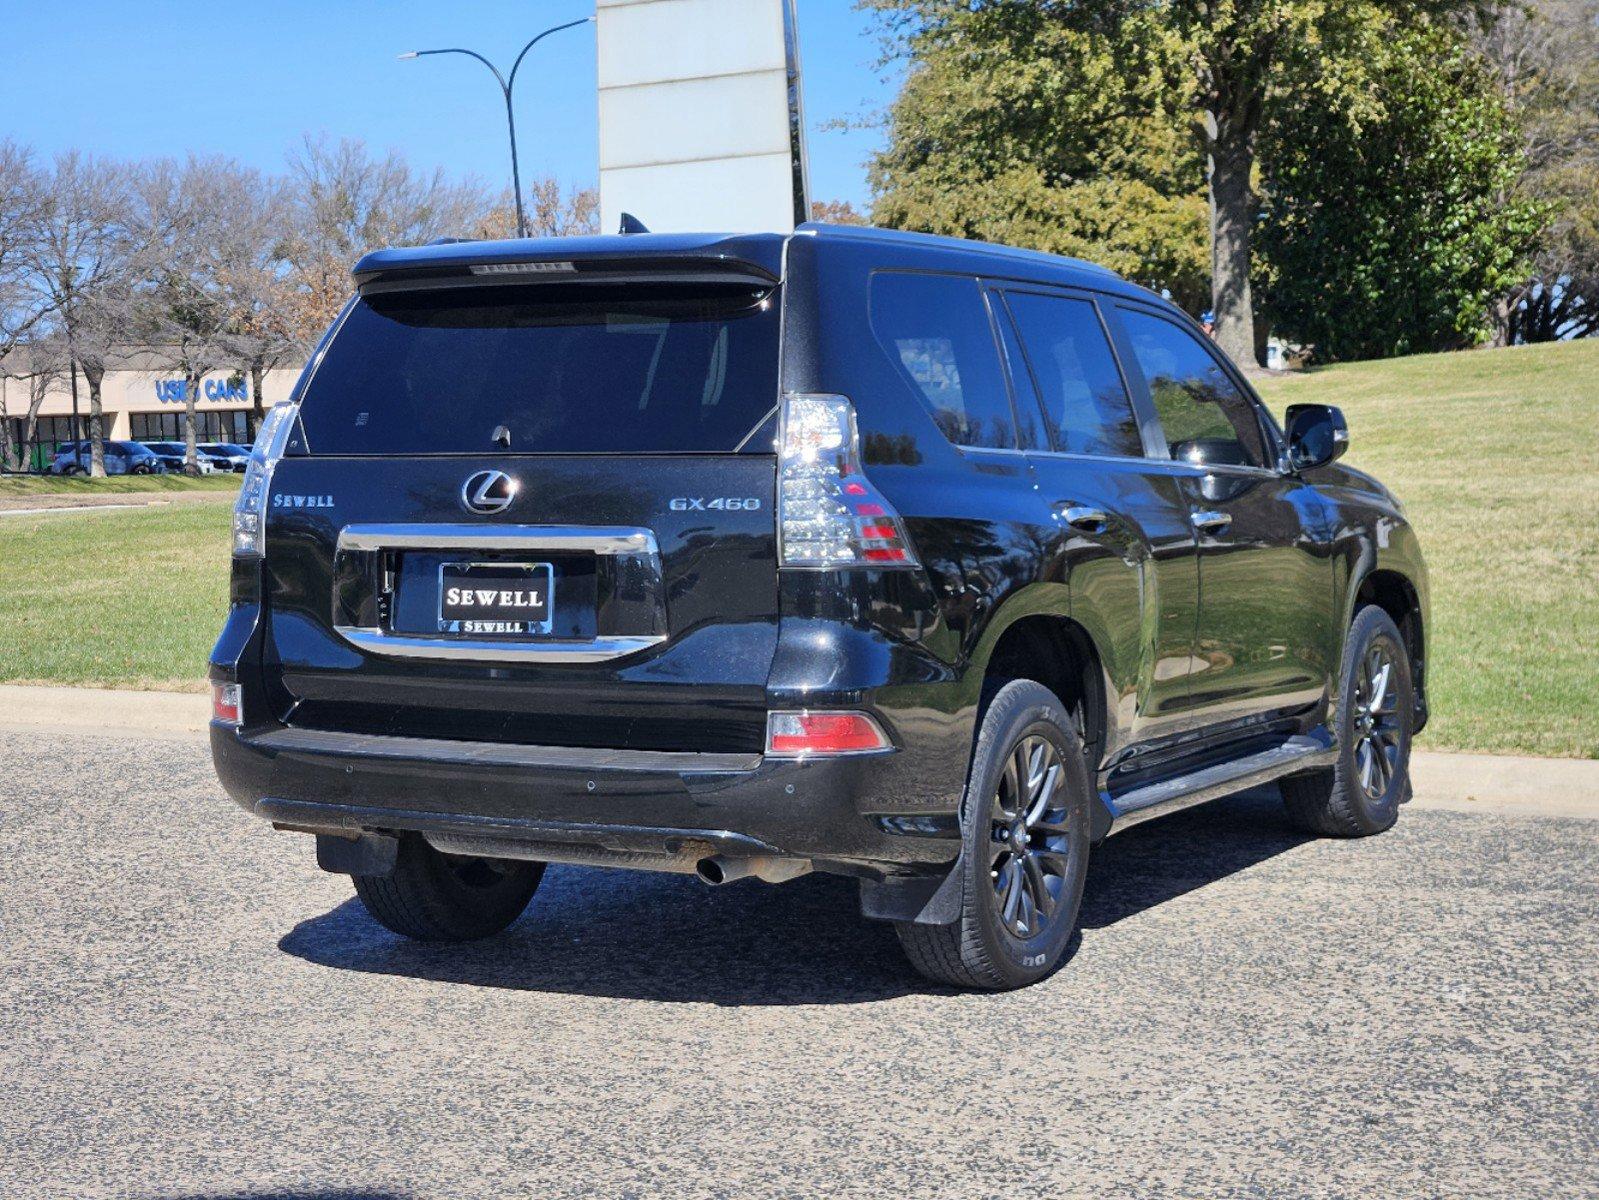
x=718, y=504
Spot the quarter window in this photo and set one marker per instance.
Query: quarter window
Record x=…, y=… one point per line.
x=1207, y=420
x=1085, y=401
x=935, y=330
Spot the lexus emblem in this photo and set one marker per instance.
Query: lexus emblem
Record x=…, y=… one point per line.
x=488, y=492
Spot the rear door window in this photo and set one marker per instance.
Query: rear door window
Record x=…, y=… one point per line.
x=936, y=331
x=1085, y=401
x=567, y=369
x=1207, y=419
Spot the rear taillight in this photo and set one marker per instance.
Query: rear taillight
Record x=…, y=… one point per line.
x=829, y=514
x=249, y=511
x=225, y=703
x=806, y=734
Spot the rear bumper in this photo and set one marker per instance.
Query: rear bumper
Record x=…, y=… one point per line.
x=641, y=809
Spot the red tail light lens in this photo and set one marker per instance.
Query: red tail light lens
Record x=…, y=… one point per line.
x=225, y=704
x=830, y=515
x=805, y=734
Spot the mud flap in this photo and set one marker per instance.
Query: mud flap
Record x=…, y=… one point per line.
x=369, y=854
x=920, y=899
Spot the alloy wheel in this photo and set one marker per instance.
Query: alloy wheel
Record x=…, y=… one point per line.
x=1378, y=733
x=1030, y=851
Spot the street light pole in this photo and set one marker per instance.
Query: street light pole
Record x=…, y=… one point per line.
x=507, y=85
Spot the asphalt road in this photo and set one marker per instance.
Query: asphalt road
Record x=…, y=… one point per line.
x=188, y=1008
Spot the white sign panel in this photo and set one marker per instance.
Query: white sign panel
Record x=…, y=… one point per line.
x=699, y=126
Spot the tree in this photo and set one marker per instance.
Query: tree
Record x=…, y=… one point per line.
x=1036, y=125
x=1545, y=56
x=345, y=201
x=1391, y=228
x=82, y=265
x=22, y=208
x=258, y=287
x=552, y=212
x=197, y=225
x=38, y=362
x=837, y=212
x=1215, y=68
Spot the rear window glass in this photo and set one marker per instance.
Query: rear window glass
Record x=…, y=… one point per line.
x=935, y=329
x=588, y=368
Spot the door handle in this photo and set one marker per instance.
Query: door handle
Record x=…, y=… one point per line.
x=1083, y=518
x=1210, y=521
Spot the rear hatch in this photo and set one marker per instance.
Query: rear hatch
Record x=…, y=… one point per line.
x=534, y=510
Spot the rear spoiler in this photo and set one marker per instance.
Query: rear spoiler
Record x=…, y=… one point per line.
x=614, y=269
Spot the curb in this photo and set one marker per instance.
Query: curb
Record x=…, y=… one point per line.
x=106, y=710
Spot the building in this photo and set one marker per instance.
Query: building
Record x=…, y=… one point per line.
x=141, y=400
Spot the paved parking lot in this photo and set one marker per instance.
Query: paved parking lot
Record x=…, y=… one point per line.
x=188, y=1008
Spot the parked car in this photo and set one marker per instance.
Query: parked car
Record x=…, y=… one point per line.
x=176, y=454
x=121, y=458
x=228, y=456
x=67, y=459
x=922, y=562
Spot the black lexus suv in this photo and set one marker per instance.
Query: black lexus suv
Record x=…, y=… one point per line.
x=919, y=561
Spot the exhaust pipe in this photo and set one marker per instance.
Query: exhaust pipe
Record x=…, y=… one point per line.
x=719, y=869
x=716, y=870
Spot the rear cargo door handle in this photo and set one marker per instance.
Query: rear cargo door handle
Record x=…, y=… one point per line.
x=1209, y=521
x=1083, y=518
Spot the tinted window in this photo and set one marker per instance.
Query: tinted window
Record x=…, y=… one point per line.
x=1206, y=418
x=1085, y=401
x=935, y=329
x=584, y=368
x=1029, y=410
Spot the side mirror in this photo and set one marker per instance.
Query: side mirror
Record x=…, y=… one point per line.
x=1317, y=435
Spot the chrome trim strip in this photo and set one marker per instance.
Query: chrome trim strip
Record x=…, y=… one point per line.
x=502, y=754
x=599, y=539
x=601, y=649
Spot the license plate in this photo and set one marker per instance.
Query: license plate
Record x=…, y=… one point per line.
x=496, y=597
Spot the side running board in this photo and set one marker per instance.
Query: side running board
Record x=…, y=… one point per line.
x=1156, y=799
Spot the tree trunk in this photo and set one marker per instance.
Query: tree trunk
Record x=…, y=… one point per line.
x=94, y=377
x=30, y=436
x=8, y=449
x=257, y=377
x=1499, y=320
x=191, y=401
x=1230, y=156
x=38, y=389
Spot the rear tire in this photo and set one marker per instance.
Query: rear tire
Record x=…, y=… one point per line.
x=1024, y=857
x=436, y=897
x=1362, y=793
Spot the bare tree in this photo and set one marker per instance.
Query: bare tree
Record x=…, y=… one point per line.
x=347, y=201
x=38, y=364
x=22, y=205
x=260, y=287
x=194, y=223
x=554, y=212
x=82, y=267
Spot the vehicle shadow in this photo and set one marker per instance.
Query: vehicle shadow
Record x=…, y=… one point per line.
x=1148, y=865
x=633, y=935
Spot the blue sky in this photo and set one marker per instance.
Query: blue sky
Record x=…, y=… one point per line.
x=167, y=77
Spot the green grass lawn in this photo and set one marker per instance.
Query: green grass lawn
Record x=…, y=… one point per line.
x=1495, y=455
x=77, y=485
x=121, y=598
